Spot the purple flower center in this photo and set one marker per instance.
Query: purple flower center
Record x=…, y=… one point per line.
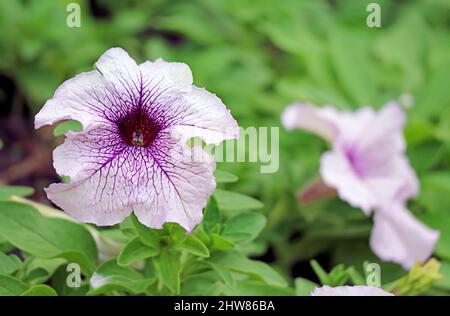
x=137, y=128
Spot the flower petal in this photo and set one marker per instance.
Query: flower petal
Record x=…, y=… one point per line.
x=337, y=172
x=394, y=180
x=382, y=138
x=79, y=98
x=310, y=118
x=183, y=187
x=357, y=290
x=94, y=96
x=159, y=183
x=118, y=68
x=189, y=111
x=399, y=237
x=205, y=116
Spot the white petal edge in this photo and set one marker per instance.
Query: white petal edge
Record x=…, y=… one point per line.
x=310, y=118
x=397, y=236
x=357, y=290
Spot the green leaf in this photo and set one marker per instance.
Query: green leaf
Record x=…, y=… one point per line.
x=168, y=265
x=18, y=190
x=39, y=270
x=195, y=246
x=445, y=271
x=353, y=70
x=135, y=250
x=10, y=286
x=244, y=227
x=441, y=222
x=224, y=177
x=221, y=243
x=223, y=272
x=321, y=273
x=40, y=290
x=227, y=200
x=201, y=283
x=64, y=127
x=238, y=262
x=110, y=277
x=147, y=235
x=211, y=216
x=44, y=237
x=435, y=192
x=304, y=287
x=9, y=264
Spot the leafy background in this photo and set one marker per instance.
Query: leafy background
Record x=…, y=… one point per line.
x=258, y=56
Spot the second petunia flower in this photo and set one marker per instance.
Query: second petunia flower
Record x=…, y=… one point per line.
x=368, y=168
x=131, y=155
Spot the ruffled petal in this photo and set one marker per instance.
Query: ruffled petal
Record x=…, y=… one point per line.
x=206, y=117
x=310, y=118
x=395, y=180
x=337, y=173
x=101, y=95
x=357, y=290
x=119, y=69
x=183, y=187
x=382, y=138
x=399, y=237
x=80, y=98
x=159, y=183
x=189, y=111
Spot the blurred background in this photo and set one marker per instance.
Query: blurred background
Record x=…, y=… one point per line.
x=258, y=56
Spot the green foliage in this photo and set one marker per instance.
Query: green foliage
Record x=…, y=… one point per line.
x=9, y=190
x=257, y=56
x=66, y=126
x=23, y=227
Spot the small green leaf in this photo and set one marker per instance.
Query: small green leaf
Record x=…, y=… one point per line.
x=9, y=264
x=39, y=270
x=227, y=200
x=64, y=127
x=135, y=250
x=224, y=176
x=147, y=235
x=195, y=246
x=40, y=290
x=304, y=287
x=110, y=277
x=169, y=267
x=221, y=243
x=258, y=270
x=10, y=286
x=223, y=272
x=18, y=190
x=211, y=216
x=244, y=227
x=321, y=273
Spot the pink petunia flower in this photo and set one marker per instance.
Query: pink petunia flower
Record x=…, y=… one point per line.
x=357, y=290
x=132, y=155
x=368, y=168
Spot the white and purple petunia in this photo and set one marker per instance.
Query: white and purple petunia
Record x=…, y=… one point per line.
x=368, y=168
x=357, y=290
x=131, y=155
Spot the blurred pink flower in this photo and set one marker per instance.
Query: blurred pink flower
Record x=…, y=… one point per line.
x=131, y=155
x=368, y=168
x=357, y=290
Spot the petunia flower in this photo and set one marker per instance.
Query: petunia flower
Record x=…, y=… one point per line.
x=131, y=155
x=368, y=168
x=357, y=290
